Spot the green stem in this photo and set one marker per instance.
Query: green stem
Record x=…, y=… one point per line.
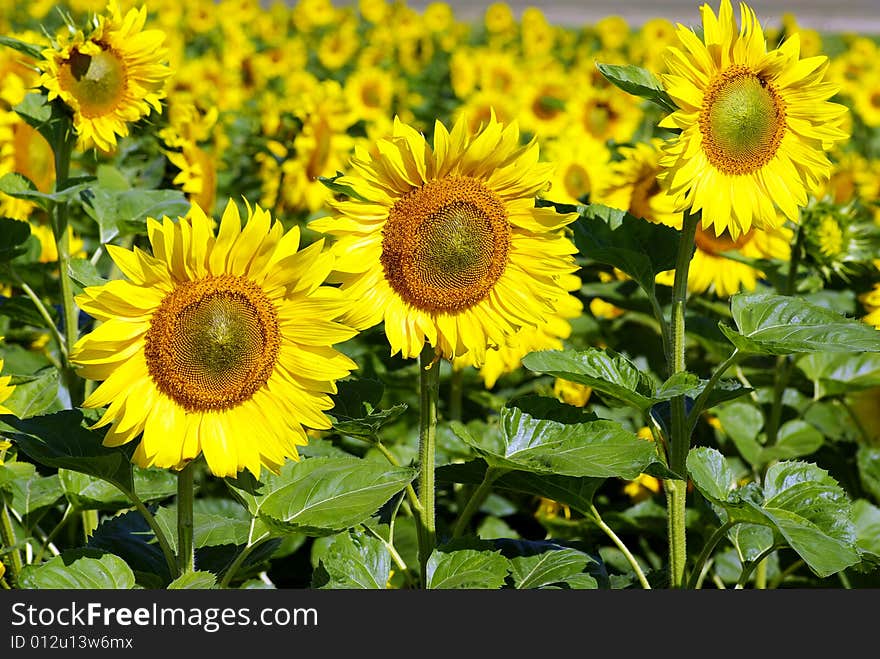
x=164, y=545
x=392, y=551
x=621, y=546
x=185, y=496
x=664, y=327
x=429, y=393
x=54, y=532
x=89, y=523
x=44, y=314
x=750, y=566
x=708, y=548
x=702, y=399
x=787, y=572
x=240, y=559
x=676, y=490
x=62, y=150
x=761, y=575
x=7, y=532
x=476, y=500
x=410, y=490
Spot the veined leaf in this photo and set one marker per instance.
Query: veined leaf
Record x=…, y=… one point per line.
x=638, y=82
x=79, y=569
x=467, y=569
x=836, y=373
x=771, y=324
x=355, y=560
x=550, y=568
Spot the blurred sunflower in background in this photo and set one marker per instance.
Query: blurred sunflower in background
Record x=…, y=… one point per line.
x=755, y=124
x=216, y=344
x=114, y=76
x=445, y=244
x=6, y=390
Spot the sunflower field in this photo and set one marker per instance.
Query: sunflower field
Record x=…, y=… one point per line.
x=318, y=296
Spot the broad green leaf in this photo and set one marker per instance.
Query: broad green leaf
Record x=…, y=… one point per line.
x=596, y=449
x=321, y=496
x=868, y=462
x=229, y=525
x=550, y=568
x=126, y=211
x=356, y=560
x=33, y=394
x=751, y=540
x=19, y=186
x=194, y=581
x=355, y=410
x=86, y=492
x=81, y=569
x=13, y=234
x=467, y=569
x=36, y=110
x=780, y=325
x=812, y=513
x=128, y=536
x=711, y=474
x=638, y=82
x=604, y=370
x=680, y=384
x=640, y=248
x=835, y=373
x=60, y=440
x=796, y=438
x=30, y=491
x=742, y=422
x=866, y=519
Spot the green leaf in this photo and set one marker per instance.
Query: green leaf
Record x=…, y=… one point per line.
x=640, y=248
x=212, y=527
x=84, y=273
x=575, y=492
x=19, y=186
x=30, y=490
x=711, y=474
x=31, y=50
x=60, y=440
x=780, y=325
x=597, y=449
x=36, y=110
x=354, y=411
x=194, y=581
x=742, y=422
x=638, y=82
x=80, y=569
x=467, y=569
x=812, y=513
x=126, y=211
x=866, y=519
x=86, y=492
x=33, y=394
x=751, y=540
x=128, y=536
x=550, y=568
x=605, y=371
x=680, y=384
x=321, y=496
x=796, y=438
x=868, y=462
x=356, y=560
x=836, y=373
x=13, y=234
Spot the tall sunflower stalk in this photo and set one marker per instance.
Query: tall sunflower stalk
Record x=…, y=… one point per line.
x=754, y=127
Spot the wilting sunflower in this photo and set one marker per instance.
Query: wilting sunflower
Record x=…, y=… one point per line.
x=109, y=79
x=445, y=244
x=215, y=344
x=755, y=124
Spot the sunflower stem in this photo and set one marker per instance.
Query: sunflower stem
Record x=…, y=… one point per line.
x=476, y=500
x=429, y=394
x=676, y=490
x=185, y=496
x=62, y=149
x=640, y=575
x=7, y=534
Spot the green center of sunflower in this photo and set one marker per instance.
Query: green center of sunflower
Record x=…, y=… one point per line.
x=445, y=244
x=97, y=82
x=212, y=343
x=742, y=121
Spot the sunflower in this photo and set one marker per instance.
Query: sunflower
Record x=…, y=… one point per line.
x=216, y=344
x=109, y=79
x=6, y=390
x=754, y=124
x=446, y=245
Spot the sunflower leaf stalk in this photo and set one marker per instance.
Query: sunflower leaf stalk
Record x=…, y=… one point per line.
x=676, y=490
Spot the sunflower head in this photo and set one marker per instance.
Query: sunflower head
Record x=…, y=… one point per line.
x=109, y=78
x=218, y=343
x=840, y=240
x=6, y=390
x=754, y=124
x=445, y=244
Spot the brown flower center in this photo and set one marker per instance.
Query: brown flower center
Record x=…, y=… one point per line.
x=97, y=82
